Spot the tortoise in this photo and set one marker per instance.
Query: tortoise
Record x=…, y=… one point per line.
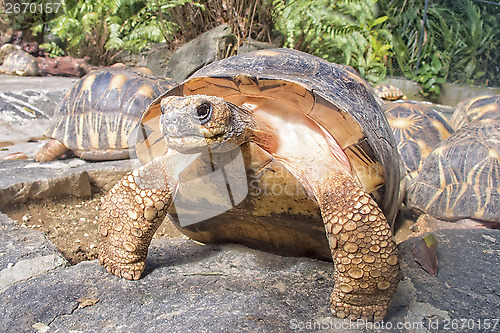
x=98, y=114
x=476, y=108
x=271, y=149
x=460, y=179
x=389, y=92
x=6, y=49
x=418, y=128
x=20, y=63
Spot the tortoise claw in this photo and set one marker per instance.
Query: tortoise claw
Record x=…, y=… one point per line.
x=344, y=307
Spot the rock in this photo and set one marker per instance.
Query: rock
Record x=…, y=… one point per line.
x=26, y=105
x=210, y=46
x=26, y=269
x=134, y=60
x=24, y=180
x=250, y=45
x=467, y=285
x=20, y=243
x=64, y=66
x=157, y=57
x=200, y=288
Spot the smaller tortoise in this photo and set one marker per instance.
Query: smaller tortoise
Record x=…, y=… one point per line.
x=418, y=128
x=20, y=63
x=97, y=116
x=6, y=49
x=389, y=92
x=309, y=142
x=460, y=179
x=474, y=109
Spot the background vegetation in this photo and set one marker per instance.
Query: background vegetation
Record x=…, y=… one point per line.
x=459, y=42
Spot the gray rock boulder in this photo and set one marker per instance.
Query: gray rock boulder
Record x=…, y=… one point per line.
x=250, y=45
x=230, y=288
x=25, y=181
x=26, y=105
x=157, y=58
x=210, y=46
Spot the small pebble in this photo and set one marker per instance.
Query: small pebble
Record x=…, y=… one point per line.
x=26, y=217
x=40, y=327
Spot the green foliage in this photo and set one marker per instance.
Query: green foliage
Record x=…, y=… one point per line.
x=247, y=19
x=431, y=76
x=52, y=49
x=462, y=35
x=347, y=32
x=99, y=29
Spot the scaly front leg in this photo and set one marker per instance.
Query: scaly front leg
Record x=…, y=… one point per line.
x=130, y=214
x=364, y=253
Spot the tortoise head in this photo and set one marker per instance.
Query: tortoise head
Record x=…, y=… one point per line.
x=191, y=124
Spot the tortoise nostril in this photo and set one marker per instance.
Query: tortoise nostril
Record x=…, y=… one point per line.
x=171, y=118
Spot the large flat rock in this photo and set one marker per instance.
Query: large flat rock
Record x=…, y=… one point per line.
x=26, y=105
x=26, y=180
x=230, y=288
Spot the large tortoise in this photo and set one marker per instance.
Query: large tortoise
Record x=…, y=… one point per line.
x=418, y=128
x=20, y=63
x=475, y=109
x=98, y=114
x=269, y=149
x=461, y=177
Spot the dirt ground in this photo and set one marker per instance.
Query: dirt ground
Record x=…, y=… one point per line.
x=71, y=225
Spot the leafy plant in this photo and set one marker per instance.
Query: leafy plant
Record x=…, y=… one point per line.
x=247, y=18
x=52, y=49
x=101, y=29
x=346, y=31
x=430, y=76
x=98, y=29
x=464, y=33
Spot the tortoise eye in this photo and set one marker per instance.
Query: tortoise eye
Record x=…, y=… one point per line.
x=204, y=112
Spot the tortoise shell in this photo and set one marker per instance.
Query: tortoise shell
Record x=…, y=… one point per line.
x=287, y=82
x=389, y=92
x=20, y=63
x=461, y=177
x=418, y=128
x=474, y=109
x=98, y=114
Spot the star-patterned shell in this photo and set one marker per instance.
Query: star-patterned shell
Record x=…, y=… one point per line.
x=20, y=63
x=461, y=177
x=475, y=109
x=104, y=107
x=389, y=92
x=418, y=128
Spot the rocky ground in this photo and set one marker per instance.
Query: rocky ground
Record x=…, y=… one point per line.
x=50, y=282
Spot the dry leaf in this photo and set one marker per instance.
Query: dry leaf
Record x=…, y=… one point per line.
x=424, y=252
x=86, y=301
